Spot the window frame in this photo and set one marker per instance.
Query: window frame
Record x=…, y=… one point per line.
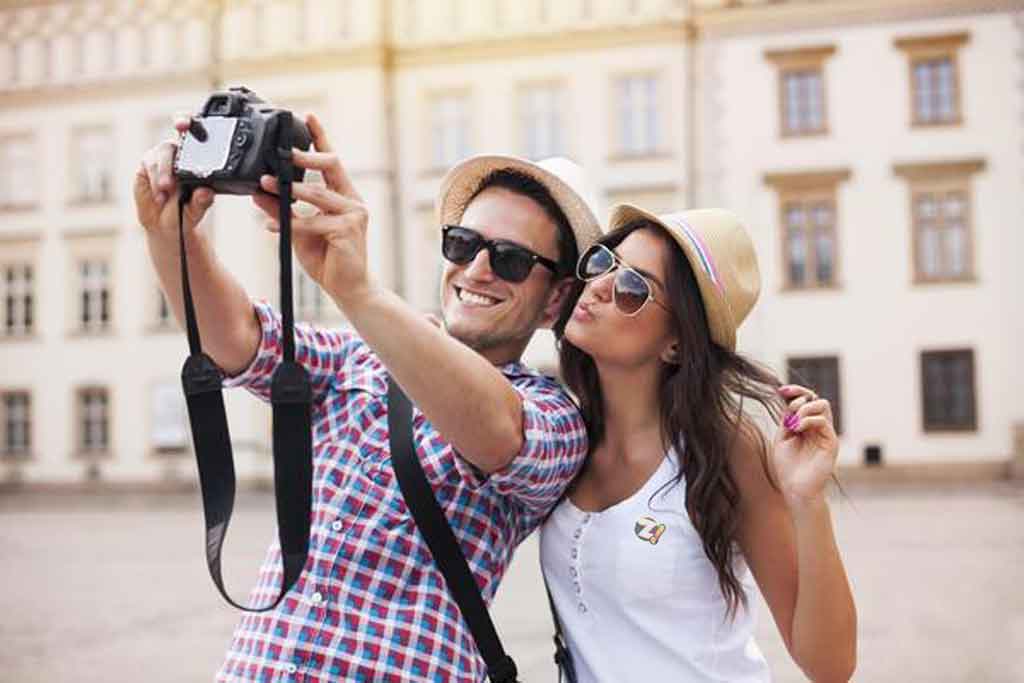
x=806, y=187
x=920, y=49
x=79, y=427
x=934, y=427
x=932, y=177
x=7, y=455
x=797, y=60
x=823, y=360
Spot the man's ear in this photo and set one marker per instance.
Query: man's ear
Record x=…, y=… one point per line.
x=670, y=356
x=556, y=299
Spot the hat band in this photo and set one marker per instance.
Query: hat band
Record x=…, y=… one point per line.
x=702, y=251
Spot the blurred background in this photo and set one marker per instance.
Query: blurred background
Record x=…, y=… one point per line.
x=875, y=149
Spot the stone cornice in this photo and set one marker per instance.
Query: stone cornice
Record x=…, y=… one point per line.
x=815, y=179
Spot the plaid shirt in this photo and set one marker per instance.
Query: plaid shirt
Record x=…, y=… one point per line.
x=371, y=604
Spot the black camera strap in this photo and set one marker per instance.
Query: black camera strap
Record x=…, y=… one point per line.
x=291, y=399
x=433, y=525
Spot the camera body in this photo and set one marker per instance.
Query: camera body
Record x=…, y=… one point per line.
x=234, y=141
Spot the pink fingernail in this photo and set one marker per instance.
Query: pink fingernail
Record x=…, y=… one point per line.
x=791, y=422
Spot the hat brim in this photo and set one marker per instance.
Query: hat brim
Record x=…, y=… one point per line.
x=463, y=180
x=719, y=316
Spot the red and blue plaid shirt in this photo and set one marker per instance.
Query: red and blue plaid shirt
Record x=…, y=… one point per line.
x=371, y=604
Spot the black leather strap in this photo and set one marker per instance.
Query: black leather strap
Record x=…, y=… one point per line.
x=291, y=397
x=433, y=525
x=563, y=658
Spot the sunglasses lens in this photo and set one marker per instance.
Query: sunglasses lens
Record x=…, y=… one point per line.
x=596, y=261
x=460, y=245
x=631, y=291
x=510, y=262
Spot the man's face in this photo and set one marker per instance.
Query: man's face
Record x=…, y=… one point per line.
x=491, y=315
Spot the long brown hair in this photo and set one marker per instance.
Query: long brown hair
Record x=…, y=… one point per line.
x=701, y=405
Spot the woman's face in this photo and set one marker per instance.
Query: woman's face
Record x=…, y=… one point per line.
x=612, y=338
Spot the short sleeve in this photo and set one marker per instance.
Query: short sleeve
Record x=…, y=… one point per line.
x=554, y=447
x=324, y=353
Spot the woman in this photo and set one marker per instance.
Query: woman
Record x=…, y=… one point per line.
x=684, y=503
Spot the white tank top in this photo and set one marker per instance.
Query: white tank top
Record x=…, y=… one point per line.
x=637, y=597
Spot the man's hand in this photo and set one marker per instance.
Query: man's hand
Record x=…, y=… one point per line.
x=331, y=243
x=156, y=191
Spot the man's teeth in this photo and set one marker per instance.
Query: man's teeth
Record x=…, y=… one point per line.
x=476, y=299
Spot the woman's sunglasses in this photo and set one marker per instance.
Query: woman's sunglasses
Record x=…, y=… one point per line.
x=630, y=290
x=509, y=261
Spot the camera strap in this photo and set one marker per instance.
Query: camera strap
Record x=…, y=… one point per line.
x=291, y=399
x=433, y=526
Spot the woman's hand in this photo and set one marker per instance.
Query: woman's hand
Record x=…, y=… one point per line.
x=805, y=448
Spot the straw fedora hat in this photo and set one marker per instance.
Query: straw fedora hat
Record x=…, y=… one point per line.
x=563, y=178
x=722, y=258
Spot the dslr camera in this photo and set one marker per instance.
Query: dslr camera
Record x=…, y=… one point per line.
x=235, y=140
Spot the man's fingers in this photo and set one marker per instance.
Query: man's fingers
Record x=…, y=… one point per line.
x=316, y=131
x=323, y=198
x=334, y=172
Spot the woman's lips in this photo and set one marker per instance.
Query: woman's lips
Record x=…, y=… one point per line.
x=582, y=313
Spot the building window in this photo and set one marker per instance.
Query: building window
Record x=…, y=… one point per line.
x=18, y=177
x=636, y=110
x=16, y=283
x=802, y=104
x=809, y=227
x=170, y=419
x=16, y=424
x=934, y=78
x=940, y=209
x=93, y=180
x=93, y=418
x=449, y=129
x=309, y=299
x=947, y=381
x=94, y=314
x=820, y=373
x=541, y=108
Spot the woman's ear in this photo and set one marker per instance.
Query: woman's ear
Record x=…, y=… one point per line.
x=670, y=356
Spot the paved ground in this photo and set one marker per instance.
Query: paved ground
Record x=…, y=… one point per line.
x=115, y=589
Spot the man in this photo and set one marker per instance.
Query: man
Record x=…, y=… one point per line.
x=498, y=442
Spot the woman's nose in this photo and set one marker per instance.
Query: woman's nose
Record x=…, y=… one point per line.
x=602, y=286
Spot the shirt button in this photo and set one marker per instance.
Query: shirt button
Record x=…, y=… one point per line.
x=578, y=533
x=336, y=525
x=583, y=608
x=317, y=598
x=292, y=668
x=572, y=572
x=575, y=553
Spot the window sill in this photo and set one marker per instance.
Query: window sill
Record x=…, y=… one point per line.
x=952, y=123
x=810, y=289
x=927, y=282
x=652, y=155
x=950, y=430
x=801, y=134
x=18, y=457
x=431, y=172
x=105, y=333
x=92, y=455
x=106, y=202
x=159, y=329
x=26, y=338
x=20, y=208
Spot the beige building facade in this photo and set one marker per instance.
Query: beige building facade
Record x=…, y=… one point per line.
x=875, y=149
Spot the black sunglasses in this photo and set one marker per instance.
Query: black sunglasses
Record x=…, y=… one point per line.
x=630, y=290
x=509, y=261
